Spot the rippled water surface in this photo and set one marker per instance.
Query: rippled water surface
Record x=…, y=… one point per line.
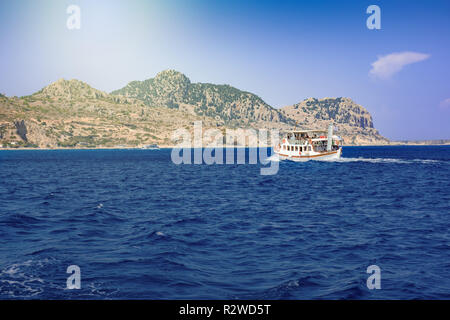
x=141, y=227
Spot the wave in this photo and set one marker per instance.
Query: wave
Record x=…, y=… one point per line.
x=290, y=289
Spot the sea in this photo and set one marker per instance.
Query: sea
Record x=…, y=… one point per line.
x=135, y=225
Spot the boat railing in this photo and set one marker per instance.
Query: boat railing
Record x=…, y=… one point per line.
x=296, y=141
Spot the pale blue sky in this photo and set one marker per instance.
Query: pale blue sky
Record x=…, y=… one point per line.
x=284, y=51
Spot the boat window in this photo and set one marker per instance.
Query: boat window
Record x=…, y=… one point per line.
x=309, y=148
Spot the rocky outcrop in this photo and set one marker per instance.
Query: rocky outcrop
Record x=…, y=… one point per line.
x=21, y=129
x=27, y=133
x=2, y=131
x=354, y=122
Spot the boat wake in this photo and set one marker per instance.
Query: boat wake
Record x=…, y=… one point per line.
x=276, y=158
x=386, y=160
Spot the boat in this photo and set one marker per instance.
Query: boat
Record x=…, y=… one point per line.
x=304, y=145
x=151, y=147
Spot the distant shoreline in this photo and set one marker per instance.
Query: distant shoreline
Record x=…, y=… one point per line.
x=224, y=147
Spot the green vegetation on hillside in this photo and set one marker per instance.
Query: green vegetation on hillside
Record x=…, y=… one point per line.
x=171, y=88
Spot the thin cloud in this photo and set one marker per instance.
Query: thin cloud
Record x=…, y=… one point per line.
x=445, y=104
x=388, y=65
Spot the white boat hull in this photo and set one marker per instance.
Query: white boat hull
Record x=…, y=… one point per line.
x=323, y=156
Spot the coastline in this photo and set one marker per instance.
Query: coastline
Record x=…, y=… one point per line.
x=224, y=147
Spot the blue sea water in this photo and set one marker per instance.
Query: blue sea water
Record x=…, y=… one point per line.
x=141, y=227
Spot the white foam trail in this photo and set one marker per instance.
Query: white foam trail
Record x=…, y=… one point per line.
x=372, y=160
x=387, y=160
x=427, y=161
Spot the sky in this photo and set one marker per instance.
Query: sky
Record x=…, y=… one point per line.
x=283, y=51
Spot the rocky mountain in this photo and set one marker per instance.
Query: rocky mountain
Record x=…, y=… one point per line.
x=222, y=102
x=354, y=122
x=70, y=113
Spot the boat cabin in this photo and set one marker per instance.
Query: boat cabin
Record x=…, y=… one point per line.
x=309, y=141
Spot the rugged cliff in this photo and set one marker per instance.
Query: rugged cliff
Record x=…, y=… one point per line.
x=353, y=121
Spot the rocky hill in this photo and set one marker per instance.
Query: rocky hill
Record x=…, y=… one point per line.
x=224, y=103
x=70, y=113
x=354, y=122
x=68, y=89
